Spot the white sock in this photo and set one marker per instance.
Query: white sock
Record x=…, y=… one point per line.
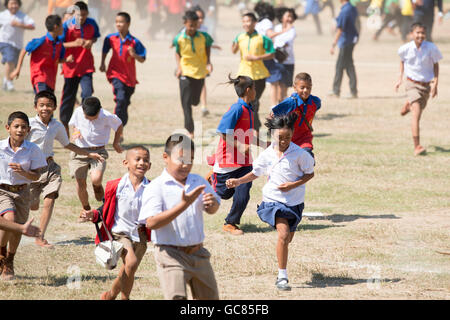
x=282, y=273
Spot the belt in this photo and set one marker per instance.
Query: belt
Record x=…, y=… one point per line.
x=94, y=148
x=418, y=82
x=186, y=249
x=13, y=188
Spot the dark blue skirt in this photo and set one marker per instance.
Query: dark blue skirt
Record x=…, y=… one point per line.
x=276, y=70
x=268, y=211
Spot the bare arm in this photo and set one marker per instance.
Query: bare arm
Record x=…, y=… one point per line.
x=400, y=79
x=336, y=38
x=32, y=175
x=102, y=64
x=233, y=183
x=178, y=73
x=292, y=185
x=16, y=73
x=116, y=142
x=19, y=24
x=83, y=152
x=133, y=53
x=235, y=47
x=434, y=83
x=26, y=229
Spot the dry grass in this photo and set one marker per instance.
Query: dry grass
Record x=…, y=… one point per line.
x=386, y=226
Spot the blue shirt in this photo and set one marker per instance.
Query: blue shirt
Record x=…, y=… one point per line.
x=346, y=22
x=231, y=117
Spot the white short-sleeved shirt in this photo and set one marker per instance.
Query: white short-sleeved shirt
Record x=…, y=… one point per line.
x=419, y=63
x=44, y=135
x=286, y=40
x=8, y=33
x=294, y=163
x=28, y=155
x=94, y=133
x=162, y=194
x=128, y=207
x=262, y=26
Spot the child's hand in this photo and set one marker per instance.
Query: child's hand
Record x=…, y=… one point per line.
x=286, y=186
x=189, y=198
x=250, y=57
x=117, y=147
x=398, y=84
x=16, y=167
x=209, y=67
x=87, y=44
x=131, y=51
x=79, y=42
x=434, y=89
x=76, y=134
x=232, y=183
x=96, y=156
x=16, y=23
x=70, y=59
x=29, y=230
x=102, y=68
x=178, y=73
x=15, y=74
x=86, y=215
x=208, y=200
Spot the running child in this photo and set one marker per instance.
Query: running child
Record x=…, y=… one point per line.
x=172, y=207
x=20, y=163
x=121, y=72
x=13, y=23
x=119, y=214
x=92, y=126
x=46, y=54
x=288, y=167
x=420, y=64
x=44, y=130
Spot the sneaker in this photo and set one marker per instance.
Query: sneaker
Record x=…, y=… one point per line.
x=9, y=85
x=234, y=230
x=282, y=284
x=8, y=270
x=4, y=83
x=205, y=112
x=333, y=94
x=43, y=243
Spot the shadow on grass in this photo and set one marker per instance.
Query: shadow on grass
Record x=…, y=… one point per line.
x=313, y=227
x=321, y=135
x=320, y=280
x=54, y=281
x=251, y=228
x=330, y=116
x=352, y=217
x=83, y=241
x=438, y=149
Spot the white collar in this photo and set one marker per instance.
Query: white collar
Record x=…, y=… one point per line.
x=4, y=144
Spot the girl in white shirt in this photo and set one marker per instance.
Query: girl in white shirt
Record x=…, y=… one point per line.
x=288, y=167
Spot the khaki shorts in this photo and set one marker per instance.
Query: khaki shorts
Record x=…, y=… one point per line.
x=176, y=268
x=49, y=182
x=139, y=248
x=79, y=165
x=416, y=92
x=17, y=202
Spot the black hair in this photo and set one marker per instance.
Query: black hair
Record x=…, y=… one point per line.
x=251, y=15
x=279, y=13
x=52, y=21
x=139, y=147
x=190, y=15
x=265, y=10
x=125, y=15
x=241, y=83
x=282, y=121
x=81, y=5
x=18, y=115
x=91, y=106
x=303, y=76
x=176, y=139
x=418, y=25
x=18, y=1
x=198, y=8
x=45, y=94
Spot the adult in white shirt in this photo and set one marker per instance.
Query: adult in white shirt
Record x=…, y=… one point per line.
x=13, y=22
x=285, y=40
x=420, y=64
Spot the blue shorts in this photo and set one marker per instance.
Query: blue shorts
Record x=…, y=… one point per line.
x=268, y=211
x=9, y=53
x=288, y=75
x=275, y=70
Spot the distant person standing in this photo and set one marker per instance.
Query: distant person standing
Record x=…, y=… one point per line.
x=346, y=38
x=58, y=7
x=313, y=7
x=424, y=13
x=407, y=11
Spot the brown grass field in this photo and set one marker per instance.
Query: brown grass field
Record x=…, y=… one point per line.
x=385, y=233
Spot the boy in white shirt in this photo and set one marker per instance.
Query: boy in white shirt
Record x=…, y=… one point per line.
x=44, y=130
x=172, y=207
x=92, y=126
x=420, y=64
x=289, y=167
x=13, y=22
x=119, y=214
x=20, y=162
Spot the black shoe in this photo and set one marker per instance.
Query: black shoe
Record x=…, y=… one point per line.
x=282, y=284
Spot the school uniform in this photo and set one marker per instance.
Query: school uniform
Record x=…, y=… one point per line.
x=192, y=51
x=238, y=123
x=44, y=136
x=290, y=167
x=46, y=53
x=419, y=69
x=119, y=214
x=306, y=111
x=94, y=138
x=14, y=188
x=275, y=69
x=79, y=72
x=254, y=44
x=179, y=253
x=346, y=21
x=121, y=71
x=286, y=41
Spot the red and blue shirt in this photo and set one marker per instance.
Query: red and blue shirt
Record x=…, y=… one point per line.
x=238, y=124
x=306, y=111
x=122, y=65
x=83, y=59
x=46, y=52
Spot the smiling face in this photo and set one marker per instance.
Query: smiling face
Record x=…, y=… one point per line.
x=18, y=130
x=303, y=88
x=200, y=18
x=287, y=18
x=138, y=162
x=282, y=138
x=45, y=108
x=13, y=6
x=179, y=163
x=191, y=27
x=121, y=24
x=419, y=35
x=248, y=24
